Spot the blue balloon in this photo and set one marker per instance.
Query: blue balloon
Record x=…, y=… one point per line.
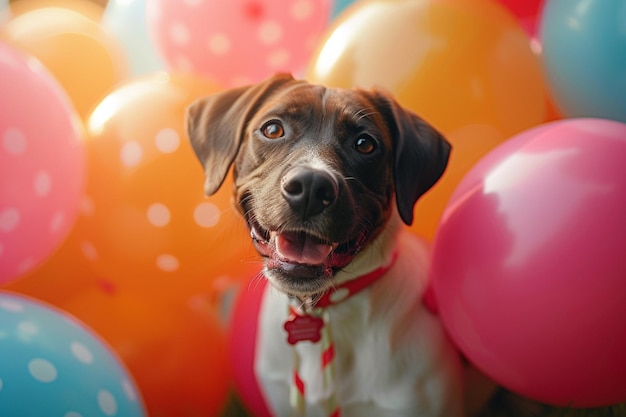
x=584, y=56
x=52, y=365
x=126, y=21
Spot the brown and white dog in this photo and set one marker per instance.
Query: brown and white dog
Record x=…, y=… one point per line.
x=324, y=179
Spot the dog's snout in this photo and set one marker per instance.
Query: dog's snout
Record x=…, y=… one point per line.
x=309, y=191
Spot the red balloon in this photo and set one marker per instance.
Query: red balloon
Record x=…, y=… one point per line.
x=528, y=263
x=526, y=12
x=242, y=345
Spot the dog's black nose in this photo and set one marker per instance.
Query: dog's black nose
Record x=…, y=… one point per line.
x=309, y=191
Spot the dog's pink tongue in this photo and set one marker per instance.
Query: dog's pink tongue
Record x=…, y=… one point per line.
x=301, y=249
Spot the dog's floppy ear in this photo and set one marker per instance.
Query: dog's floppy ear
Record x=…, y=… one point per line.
x=420, y=155
x=216, y=126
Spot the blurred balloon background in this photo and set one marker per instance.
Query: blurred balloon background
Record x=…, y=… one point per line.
x=92, y=105
x=126, y=21
x=91, y=9
x=5, y=13
x=526, y=12
x=77, y=50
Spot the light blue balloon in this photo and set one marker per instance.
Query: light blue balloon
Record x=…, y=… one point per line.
x=5, y=12
x=339, y=6
x=126, y=21
x=584, y=56
x=52, y=365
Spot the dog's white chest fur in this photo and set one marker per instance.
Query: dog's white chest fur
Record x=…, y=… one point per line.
x=392, y=355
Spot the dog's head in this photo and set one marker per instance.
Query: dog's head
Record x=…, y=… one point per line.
x=318, y=171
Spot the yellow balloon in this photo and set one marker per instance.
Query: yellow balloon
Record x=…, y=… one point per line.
x=81, y=55
x=91, y=9
x=465, y=66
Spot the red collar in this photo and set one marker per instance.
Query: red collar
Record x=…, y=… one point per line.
x=301, y=325
x=348, y=289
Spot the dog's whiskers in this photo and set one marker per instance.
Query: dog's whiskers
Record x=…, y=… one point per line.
x=257, y=280
x=251, y=260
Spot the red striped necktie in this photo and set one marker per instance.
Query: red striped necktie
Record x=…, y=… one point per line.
x=312, y=324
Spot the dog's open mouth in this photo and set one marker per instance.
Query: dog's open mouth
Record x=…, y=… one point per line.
x=302, y=248
x=302, y=254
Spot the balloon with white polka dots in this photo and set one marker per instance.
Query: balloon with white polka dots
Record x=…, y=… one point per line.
x=145, y=222
x=237, y=42
x=41, y=164
x=53, y=365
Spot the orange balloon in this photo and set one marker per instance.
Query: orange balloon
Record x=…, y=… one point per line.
x=465, y=66
x=148, y=223
x=82, y=56
x=91, y=9
x=176, y=350
x=454, y=62
x=471, y=143
x=61, y=277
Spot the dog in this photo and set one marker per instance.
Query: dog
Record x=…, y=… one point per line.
x=325, y=179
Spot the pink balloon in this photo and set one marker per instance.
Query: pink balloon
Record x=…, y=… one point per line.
x=41, y=164
x=529, y=263
x=237, y=42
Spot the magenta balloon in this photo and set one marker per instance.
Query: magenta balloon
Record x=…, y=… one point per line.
x=529, y=263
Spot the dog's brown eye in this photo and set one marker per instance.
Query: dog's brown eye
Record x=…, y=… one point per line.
x=365, y=145
x=273, y=130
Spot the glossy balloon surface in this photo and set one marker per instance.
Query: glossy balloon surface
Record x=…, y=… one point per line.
x=528, y=263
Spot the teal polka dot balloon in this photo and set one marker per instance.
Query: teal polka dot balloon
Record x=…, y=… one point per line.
x=53, y=365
